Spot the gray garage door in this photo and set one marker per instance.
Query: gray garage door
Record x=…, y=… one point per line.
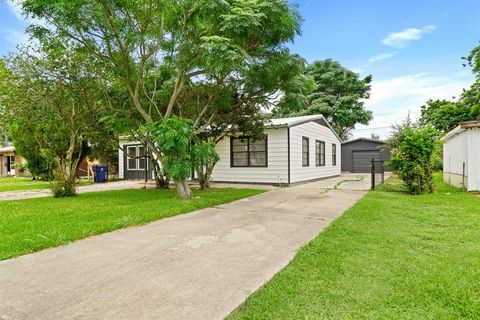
x=361, y=161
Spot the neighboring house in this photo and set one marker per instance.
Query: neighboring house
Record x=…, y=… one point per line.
x=294, y=150
x=357, y=154
x=8, y=161
x=461, y=156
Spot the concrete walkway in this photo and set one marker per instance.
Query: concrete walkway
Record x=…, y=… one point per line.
x=200, y=265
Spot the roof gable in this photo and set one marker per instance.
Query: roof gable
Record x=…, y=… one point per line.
x=364, y=139
x=295, y=121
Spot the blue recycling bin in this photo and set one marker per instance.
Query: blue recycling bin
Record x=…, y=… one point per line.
x=100, y=174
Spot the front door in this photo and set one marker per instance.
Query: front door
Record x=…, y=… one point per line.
x=11, y=165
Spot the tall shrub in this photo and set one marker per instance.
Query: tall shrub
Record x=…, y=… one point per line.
x=413, y=151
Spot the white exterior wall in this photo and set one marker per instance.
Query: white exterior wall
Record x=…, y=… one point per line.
x=473, y=165
x=276, y=172
x=455, y=153
x=121, y=173
x=313, y=131
x=463, y=148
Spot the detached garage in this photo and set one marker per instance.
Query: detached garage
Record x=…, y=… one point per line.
x=357, y=154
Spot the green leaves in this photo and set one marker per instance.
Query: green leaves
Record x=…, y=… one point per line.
x=210, y=65
x=445, y=115
x=329, y=89
x=413, y=151
x=173, y=137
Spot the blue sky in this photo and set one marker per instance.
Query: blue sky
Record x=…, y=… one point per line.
x=413, y=48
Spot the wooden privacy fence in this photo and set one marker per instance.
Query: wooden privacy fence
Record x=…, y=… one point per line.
x=377, y=172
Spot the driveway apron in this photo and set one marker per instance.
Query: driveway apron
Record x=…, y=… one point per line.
x=200, y=265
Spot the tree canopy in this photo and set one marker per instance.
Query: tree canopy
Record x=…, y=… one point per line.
x=328, y=88
x=53, y=106
x=444, y=115
x=195, y=59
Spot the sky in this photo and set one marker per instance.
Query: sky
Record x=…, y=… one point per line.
x=412, y=48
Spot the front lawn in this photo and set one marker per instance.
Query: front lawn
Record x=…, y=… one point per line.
x=14, y=184
x=21, y=184
x=34, y=224
x=391, y=256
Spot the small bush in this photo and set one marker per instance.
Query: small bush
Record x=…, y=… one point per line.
x=62, y=188
x=412, y=159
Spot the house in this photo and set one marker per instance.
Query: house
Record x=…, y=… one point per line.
x=461, y=156
x=294, y=150
x=8, y=161
x=357, y=154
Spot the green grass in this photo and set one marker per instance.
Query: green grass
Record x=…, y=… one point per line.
x=21, y=184
x=14, y=184
x=34, y=224
x=391, y=256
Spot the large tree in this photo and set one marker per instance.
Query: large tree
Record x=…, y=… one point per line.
x=336, y=92
x=53, y=105
x=159, y=51
x=445, y=115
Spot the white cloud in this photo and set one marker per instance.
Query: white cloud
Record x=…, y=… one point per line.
x=402, y=38
x=15, y=34
x=382, y=56
x=15, y=37
x=15, y=7
x=357, y=70
x=393, y=99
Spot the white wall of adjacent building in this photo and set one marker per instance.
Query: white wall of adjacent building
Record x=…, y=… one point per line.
x=473, y=165
x=462, y=148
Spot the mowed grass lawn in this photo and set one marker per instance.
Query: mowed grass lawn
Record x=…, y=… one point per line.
x=391, y=256
x=20, y=183
x=14, y=184
x=34, y=224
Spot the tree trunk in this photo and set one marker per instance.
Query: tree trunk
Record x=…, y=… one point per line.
x=65, y=178
x=183, y=189
x=206, y=176
x=65, y=184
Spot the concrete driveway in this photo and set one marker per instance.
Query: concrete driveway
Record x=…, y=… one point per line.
x=200, y=265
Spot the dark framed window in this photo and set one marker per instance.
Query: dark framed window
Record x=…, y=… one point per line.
x=305, y=152
x=131, y=158
x=334, y=154
x=319, y=153
x=246, y=152
x=136, y=158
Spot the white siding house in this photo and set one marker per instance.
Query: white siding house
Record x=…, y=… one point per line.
x=328, y=165
x=299, y=149
x=294, y=150
x=461, y=156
